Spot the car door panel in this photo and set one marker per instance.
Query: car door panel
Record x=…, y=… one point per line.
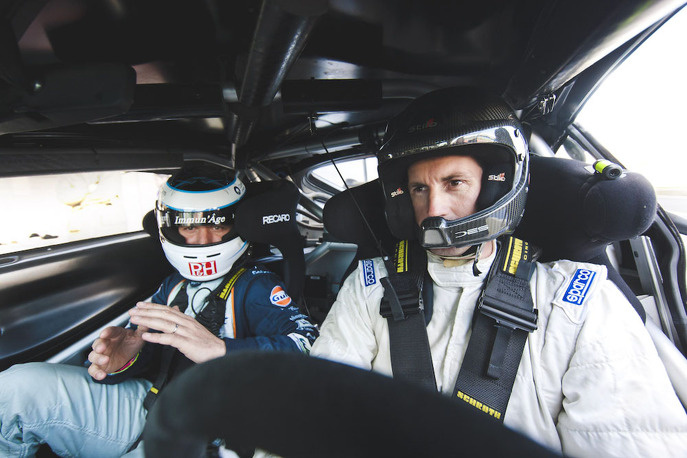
x=52, y=297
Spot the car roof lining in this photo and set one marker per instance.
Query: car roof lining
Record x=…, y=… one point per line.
x=527, y=50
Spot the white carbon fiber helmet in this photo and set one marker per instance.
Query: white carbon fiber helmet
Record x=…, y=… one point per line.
x=200, y=195
x=460, y=121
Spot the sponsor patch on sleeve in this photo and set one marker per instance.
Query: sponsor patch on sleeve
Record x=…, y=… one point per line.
x=369, y=272
x=578, y=288
x=279, y=297
x=301, y=341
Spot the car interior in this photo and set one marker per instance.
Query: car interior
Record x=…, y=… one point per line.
x=281, y=90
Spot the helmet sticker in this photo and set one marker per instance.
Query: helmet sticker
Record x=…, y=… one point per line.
x=397, y=192
x=187, y=221
x=500, y=177
x=279, y=297
x=422, y=126
x=471, y=231
x=202, y=269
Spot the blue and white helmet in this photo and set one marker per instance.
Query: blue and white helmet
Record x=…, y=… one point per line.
x=200, y=195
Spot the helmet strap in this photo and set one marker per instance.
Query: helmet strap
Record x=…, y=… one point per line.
x=455, y=261
x=475, y=270
x=472, y=254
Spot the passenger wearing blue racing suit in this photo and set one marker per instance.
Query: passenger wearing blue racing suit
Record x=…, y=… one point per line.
x=254, y=320
x=217, y=302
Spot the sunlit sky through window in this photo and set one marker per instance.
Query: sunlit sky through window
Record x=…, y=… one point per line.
x=639, y=113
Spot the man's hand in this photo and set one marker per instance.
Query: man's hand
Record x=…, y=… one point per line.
x=178, y=330
x=113, y=349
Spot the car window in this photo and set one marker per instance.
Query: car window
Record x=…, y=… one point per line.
x=48, y=210
x=323, y=181
x=571, y=149
x=638, y=112
x=355, y=172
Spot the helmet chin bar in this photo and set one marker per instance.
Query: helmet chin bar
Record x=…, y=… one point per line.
x=501, y=218
x=204, y=262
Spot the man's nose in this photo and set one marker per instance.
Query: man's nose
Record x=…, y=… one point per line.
x=204, y=236
x=438, y=204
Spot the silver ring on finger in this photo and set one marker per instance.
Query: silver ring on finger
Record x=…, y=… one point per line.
x=176, y=326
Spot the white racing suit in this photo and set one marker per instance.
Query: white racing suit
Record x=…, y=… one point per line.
x=590, y=382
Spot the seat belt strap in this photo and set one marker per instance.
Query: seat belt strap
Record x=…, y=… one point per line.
x=402, y=306
x=213, y=315
x=225, y=289
x=168, y=354
x=504, y=317
x=208, y=319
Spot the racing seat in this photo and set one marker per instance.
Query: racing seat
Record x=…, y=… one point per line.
x=571, y=213
x=267, y=216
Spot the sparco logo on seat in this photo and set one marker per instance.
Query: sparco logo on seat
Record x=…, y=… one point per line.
x=271, y=219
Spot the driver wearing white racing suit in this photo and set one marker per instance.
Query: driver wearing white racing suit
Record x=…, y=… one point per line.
x=590, y=382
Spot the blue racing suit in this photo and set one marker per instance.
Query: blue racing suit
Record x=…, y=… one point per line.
x=259, y=315
x=61, y=405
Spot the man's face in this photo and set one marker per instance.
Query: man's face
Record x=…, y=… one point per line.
x=446, y=186
x=204, y=235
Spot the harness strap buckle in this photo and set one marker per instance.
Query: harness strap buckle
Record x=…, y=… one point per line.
x=399, y=303
x=509, y=317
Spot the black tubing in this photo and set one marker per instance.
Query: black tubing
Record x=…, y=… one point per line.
x=281, y=34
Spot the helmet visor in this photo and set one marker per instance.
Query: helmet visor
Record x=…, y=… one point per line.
x=171, y=220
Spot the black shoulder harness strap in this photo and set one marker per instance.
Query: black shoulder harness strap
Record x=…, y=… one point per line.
x=208, y=319
x=402, y=306
x=503, y=319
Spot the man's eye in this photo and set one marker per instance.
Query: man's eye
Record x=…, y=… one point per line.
x=456, y=182
x=417, y=189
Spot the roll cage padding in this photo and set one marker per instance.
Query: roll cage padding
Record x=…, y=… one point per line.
x=299, y=406
x=571, y=213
